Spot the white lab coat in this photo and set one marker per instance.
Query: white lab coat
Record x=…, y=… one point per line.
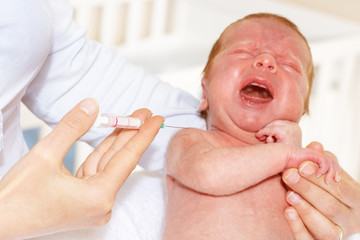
x=46, y=62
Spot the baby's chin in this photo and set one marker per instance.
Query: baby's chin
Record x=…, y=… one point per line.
x=252, y=127
x=245, y=133
x=234, y=127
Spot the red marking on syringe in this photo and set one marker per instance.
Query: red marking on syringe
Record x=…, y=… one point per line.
x=117, y=121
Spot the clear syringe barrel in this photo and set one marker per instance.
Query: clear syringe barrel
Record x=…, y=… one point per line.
x=111, y=120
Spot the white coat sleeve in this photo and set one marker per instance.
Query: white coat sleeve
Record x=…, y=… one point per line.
x=77, y=68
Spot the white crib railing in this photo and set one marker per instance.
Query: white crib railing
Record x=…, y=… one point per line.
x=119, y=22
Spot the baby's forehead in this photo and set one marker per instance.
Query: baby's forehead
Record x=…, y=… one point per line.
x=269, y=32
x=257, y=27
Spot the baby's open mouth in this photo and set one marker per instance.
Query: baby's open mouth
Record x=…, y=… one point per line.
x=256, y=93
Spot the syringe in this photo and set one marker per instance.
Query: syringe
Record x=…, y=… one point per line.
x=110, y=120
x=107, y=120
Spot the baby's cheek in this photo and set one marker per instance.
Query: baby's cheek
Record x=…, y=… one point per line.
x=296, y=111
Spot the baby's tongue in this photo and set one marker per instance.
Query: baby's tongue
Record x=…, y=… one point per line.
x=256, y=94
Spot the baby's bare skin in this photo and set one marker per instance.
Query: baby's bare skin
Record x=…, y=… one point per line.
x=243, y=215
x=225, y=183
x=238, y=206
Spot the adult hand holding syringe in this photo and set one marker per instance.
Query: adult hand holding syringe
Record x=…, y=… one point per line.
x=65, y=201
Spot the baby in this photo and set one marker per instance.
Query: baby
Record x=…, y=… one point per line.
x=256, y=88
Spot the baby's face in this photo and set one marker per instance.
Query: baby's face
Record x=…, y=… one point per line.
x=259, y=76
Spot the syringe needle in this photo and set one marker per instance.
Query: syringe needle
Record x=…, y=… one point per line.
x=164, y=126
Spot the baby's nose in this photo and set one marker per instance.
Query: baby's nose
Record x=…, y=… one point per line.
x=266, y=62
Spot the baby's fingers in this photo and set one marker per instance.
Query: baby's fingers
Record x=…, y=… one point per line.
x=265, y=134
x=337, y=165
x=333, y=173
x=261, y=135
x=330, y=174
x=270, y=139
x=330, y=168
x=324, y=165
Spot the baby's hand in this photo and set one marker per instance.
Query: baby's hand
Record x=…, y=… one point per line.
x=327, y=164
x=281, y=131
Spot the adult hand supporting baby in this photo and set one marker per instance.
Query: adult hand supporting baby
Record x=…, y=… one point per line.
x=39, y=196
x=318, y=210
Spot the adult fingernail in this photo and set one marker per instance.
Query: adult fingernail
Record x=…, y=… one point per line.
x=149, y=115
x=337, y=177
x=292, y=176
x=307, y=169
x=89, y=106
x=291, y=214
x=328, y=180
x=293, y=197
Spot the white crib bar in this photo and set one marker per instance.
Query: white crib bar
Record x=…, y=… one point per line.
x=110, y=33
x=159, y=18
x=122, y=21
x=134, y=20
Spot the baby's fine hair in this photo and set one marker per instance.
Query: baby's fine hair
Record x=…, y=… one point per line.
x=217, y=47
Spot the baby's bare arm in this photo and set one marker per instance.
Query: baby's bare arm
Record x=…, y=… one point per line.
x=196, y=163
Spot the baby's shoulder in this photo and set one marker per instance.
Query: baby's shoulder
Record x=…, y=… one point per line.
x=189, y=136
x=191, y=133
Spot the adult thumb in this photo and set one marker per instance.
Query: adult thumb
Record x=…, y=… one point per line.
x=71, y=127
x=316, y=146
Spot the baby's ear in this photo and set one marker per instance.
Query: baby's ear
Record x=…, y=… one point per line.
x=204, y=104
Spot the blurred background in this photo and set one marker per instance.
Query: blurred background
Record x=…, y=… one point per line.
x=172, y=39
